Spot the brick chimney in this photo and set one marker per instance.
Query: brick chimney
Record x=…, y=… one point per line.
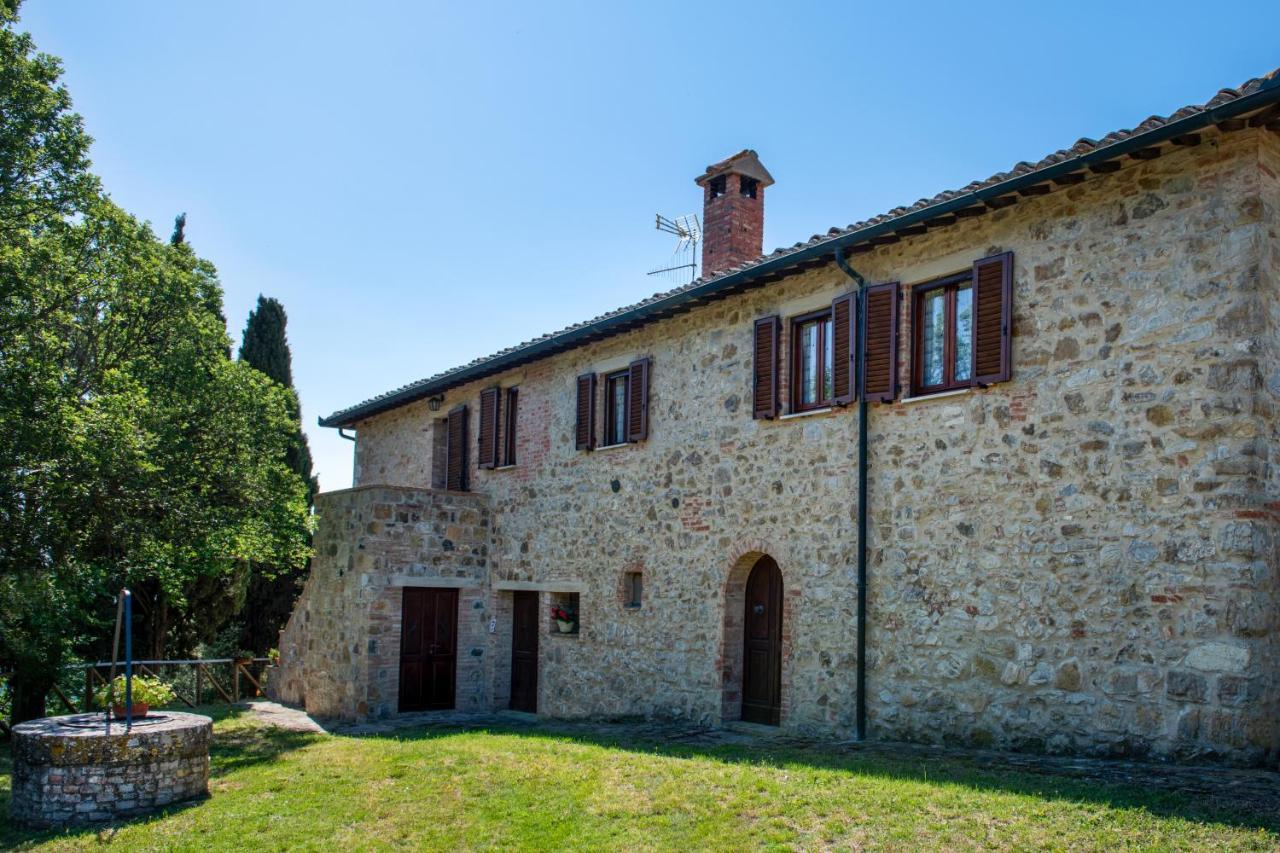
x=732, y=211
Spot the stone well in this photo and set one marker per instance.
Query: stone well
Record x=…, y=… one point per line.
x=76, y=770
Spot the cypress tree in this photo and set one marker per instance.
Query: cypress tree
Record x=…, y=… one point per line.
x=272, y=591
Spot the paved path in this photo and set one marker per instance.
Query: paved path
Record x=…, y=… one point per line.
x=1220, y=786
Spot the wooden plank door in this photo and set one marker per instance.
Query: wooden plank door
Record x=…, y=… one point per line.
x=762, y=651
x=428, y=649
x=524, y=652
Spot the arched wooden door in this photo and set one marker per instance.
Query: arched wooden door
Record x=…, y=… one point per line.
x=762, y=650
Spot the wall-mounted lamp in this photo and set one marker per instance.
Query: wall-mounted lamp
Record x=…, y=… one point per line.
x=434, y=402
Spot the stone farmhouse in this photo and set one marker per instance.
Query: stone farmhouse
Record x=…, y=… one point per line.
x=993, y=468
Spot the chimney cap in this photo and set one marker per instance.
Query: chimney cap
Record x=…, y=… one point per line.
x=745, y=162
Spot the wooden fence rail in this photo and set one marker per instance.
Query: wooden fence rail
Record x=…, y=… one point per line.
x=95, y=674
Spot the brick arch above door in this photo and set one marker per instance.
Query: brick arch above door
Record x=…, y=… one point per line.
x=732, y=605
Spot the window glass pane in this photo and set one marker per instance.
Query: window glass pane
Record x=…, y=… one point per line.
x=933, y=339
x=828, y=381
x=618, y=415
x=964, y=333
x=809, y=363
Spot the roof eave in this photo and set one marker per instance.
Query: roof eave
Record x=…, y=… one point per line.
x=1267, y=93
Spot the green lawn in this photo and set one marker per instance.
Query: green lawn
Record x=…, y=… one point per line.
x=532, y=789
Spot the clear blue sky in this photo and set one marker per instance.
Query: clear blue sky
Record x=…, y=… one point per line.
x=421, y=184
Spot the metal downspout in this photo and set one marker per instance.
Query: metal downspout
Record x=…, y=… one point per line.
x=860, y=718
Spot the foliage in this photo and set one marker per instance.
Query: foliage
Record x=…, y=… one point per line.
x=273, y=590
x=132, y=449
x=146, y=691
x=572, y=788
x=563, y=614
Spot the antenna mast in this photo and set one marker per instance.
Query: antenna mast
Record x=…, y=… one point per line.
x=683, y=267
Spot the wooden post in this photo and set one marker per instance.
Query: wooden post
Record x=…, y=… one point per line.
x=199, y=679
x=235, y=680
x=88, y=688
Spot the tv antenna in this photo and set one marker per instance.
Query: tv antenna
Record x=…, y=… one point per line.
x=684, y=260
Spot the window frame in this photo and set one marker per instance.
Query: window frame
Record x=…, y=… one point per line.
x=951, y=285
x=610, y=426
x=793, y=369
x=509, y=421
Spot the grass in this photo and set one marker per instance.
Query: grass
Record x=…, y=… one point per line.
x=521, y=788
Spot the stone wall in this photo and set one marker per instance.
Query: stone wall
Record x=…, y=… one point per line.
x=340, y=651
x=70, y=771
x=1081, y=559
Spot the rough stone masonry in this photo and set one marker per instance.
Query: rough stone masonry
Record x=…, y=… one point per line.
x=70, y=771
x=1082, y=559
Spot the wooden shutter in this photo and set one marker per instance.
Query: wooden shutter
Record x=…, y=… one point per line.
x=638, y=400
x=585, y=428
x=509, y=428
x=844, y=352
x=880, y=343
x=488, y=432
x=456, y=468
x=992, y=319
x=764, y=368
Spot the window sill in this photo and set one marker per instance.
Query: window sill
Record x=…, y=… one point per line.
x=613, y=446
x=937, y=395
x=806, y=413
x=633, y=608
x=574, y=634
x=505, y=467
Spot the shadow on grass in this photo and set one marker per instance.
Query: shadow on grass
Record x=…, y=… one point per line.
x=233, y=749
x=968, y=769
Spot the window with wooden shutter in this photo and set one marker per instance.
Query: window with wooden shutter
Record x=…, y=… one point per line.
x=880, y=343
x=487, y=457
x=585, y=424
x=844, y=353
x=764, y=368
x=456, y=468
x=509, y=427
x=638, y=400
x=993, y=319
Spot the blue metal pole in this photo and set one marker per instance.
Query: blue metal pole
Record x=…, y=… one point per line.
x=128, y=659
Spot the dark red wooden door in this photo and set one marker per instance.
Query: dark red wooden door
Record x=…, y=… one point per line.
x=762, y=652
x=524, y=652
x=428, y=649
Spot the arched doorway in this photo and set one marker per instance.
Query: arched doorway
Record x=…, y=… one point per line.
x=762, y=644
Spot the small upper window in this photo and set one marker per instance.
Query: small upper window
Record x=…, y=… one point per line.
x=748, y=186
x=616, y=402
x=716, y=186
x=812, y=382
x=632, y=589
x=942, y=313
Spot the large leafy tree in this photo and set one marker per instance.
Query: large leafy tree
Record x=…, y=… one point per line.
x=132, y=450
x=273, y=589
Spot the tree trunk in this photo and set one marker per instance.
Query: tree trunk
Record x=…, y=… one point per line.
x=159, y=625
x=29, y=690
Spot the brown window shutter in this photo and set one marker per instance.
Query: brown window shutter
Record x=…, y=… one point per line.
x=456, y=471
x=880, y=343
x=992, y=319
x=764, y=368
x=844, y=337
x=638, y=400
x=488, y=432
x=509, y=427
x=585, y=428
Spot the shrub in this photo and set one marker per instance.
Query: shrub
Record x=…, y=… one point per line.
x=146, y=691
